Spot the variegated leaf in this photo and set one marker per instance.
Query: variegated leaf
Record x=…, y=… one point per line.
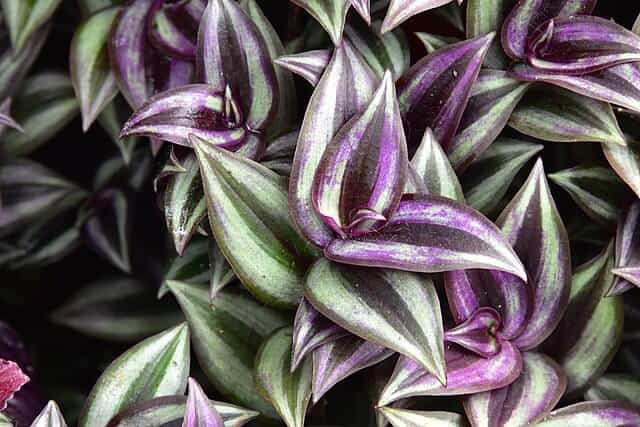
x=170, y=410
x=118, y=310
x=289, y=391
x=392, y=308
x=91, y=75
x=311, y=330
x=44, y=105
x=336, y=360
x=487, y=180
x=534, y=228
x=555, y=114
x=249, y=219
x=596, y=190
x=448, y=73
x=158, y=366
x=524, y=402
x=331, y=14
x=432, y=166
x=494, y=97
x=24, y=18
x=590, y=333
x=226, y=335
x=344, y=89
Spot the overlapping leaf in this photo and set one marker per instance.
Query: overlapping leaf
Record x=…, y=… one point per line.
x=91, y=75
x=448, y=73
x=346, y=86
x=534, y=228
x=493, y=98
x=395, y=309
x=586, y=340
x=431, y=234
x=487, y=180
x=525, y=401
x=44, y=105
x=596, y=190
x=247, y=206
x=289, y=391
x=158, y=366
x=226, y=335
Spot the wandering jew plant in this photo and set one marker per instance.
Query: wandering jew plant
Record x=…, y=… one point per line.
x=356, y=213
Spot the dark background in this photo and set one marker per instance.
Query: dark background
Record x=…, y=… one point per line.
x=68, y=363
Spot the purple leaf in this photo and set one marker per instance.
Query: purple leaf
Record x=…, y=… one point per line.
x=344, y=90
x=308, y=65
x=200, y=411
x=582, y=44
x=431, y=234
x=528, y=15
x=363, y=7
x=618, y=85
x=477, y=333
x=535, y=230
x=466, y=374
x=470, y=290
x=311, y=330
x=587, y=338
x=493, y=98
x=361, y=176
x=601, y=413
x=141, y=71
x=396, y=309
x=627, y=255
x=231, y=52
x=173, y=27
x=11, y=381
x=339, y=359
x=432, y=168
x=196, y=109
x=448, y=73
x=528, y=399
x=401, y=10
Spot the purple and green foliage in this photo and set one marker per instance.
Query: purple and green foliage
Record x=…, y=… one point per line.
x=341, y=228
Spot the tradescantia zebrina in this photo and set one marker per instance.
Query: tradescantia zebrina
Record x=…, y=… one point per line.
x=345, y=223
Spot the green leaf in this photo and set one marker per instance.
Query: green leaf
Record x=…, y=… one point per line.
x=289, y=392
x=487, y=180
x=393, y=308
x=596, y=190
x=331, y=14
x=45, y=105
x=554, y=114
x=623, y=387
x=24, y=17
x=90, y=71
x=249, y=219
x=227, y=333
x=112, y=119
x=184, y=202
x=117, y=310
x=158, y=366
